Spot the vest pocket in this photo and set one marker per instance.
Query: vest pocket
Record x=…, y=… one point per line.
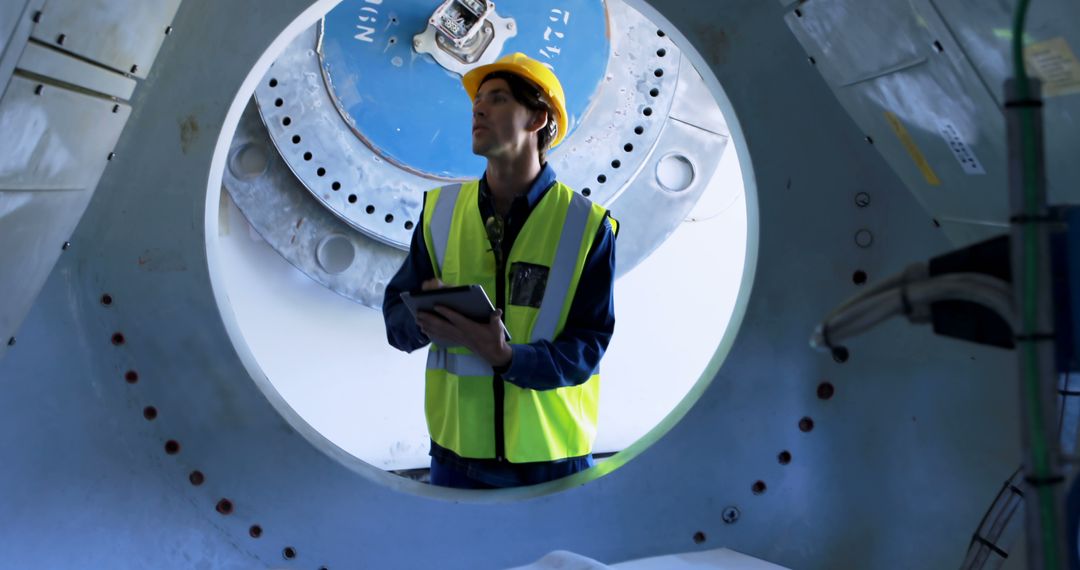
x=528, y=282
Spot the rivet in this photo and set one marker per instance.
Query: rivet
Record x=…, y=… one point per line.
x=730, y=515
x=111, y=156
x=66, y=246
x=288, y=553
x=864, y=238
x=862, y=199
x=825, y=391
x=168, y=30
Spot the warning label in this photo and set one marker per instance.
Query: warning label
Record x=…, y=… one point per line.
x=1056, y=65
x=960, y=149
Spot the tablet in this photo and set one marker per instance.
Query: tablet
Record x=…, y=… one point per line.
x=469, y=300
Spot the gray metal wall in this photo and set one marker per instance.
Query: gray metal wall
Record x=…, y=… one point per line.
x=896, y=472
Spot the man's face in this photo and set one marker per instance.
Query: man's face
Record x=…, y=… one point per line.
x=501, y=126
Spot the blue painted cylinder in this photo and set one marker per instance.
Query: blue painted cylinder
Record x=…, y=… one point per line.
x=413, y=111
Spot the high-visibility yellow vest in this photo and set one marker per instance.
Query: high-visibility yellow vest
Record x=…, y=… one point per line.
x=468, y=411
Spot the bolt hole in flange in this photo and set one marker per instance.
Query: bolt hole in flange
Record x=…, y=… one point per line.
x=715, y=211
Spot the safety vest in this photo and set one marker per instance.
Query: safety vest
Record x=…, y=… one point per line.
x=469, y=410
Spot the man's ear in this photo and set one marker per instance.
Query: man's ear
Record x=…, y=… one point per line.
x=539, y=121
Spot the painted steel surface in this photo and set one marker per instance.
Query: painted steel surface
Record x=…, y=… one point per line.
x=918, y=433
x=404, y=104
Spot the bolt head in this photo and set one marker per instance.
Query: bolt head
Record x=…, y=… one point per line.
x=730, y=515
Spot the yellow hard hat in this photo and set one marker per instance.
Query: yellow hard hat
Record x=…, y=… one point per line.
x=528, y=68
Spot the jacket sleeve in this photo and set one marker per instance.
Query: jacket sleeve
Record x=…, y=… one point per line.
x=575, y=354
x=401, y=329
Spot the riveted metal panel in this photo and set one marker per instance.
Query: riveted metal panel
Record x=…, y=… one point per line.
x=122, y=34
x=16, y=20
x=47, y=62
x=983, y=32
x=59, y=145
x=897, y=70
x=908, y=449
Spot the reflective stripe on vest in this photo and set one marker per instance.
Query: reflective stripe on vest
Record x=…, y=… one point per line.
x=442, y=218
x=458, y=364
x=562, y=270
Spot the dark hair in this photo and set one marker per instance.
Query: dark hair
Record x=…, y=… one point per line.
x=531, y=97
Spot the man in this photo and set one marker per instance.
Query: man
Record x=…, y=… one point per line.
x=519, y=412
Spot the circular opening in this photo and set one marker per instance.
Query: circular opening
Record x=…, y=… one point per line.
x=255, y=531
x=131, y=376
x=658, y=73
x=334, y=325
x=224, y=506
x=296, y=139
x=118, y=339
x=196, y=478
x=279, y=102
x=335, y=253
x=149, y=412
x=273, y=83
x=675, y=172
x=758, y=487
x=286, y=121
x=784, y=458
x=806, y=425
x=825, y=391
x=840, y=354
x=249, y=160
x=172, y=447
x=699, y=537
x=321, y=171
x=288, y=553
x=106, y=299
x=859, y=277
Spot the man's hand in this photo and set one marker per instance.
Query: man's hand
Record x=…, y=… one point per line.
x=486, y=340
x=432, y=284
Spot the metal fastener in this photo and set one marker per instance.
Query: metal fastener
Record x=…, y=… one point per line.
x=730, y=515
x=864, y=238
